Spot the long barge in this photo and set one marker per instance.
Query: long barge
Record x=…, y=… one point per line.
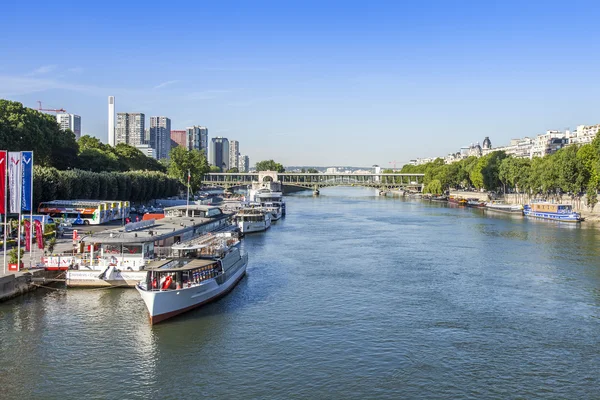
x=119, y=257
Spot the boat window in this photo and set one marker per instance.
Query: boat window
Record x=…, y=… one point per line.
x=111, y=248
x=132, y=249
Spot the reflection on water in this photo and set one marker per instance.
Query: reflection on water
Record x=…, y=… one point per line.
x=350, y=296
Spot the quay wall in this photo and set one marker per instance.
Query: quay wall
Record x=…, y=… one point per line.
x=14, y=285
x=579, y=203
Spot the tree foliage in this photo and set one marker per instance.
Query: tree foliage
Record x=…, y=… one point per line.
x=573, y=170
x=269, y=165
x=50, y=183
x=183, y=161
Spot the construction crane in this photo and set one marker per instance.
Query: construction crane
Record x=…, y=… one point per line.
x=50, y=109
x=393, y=163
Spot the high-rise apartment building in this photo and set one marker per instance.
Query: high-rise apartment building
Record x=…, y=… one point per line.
x=197, y=138
x=219, y=153
x=160, y=136
x=111, y=121
x=179, y=138
x=70, y=121
x=130, y=128
x=234, y=153
x=243, y=164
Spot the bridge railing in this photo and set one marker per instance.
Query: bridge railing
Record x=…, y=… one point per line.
x=317, y=179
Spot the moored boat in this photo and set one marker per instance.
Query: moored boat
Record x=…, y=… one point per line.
x=211, y=269
x=557, y=212
x=499, y=205
x=274, y=209
x=457, y=200
x=439, y=198
x=118, y=257
x=253, y=220
x=475, y=202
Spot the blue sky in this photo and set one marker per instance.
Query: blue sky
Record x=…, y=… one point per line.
x=314, y=83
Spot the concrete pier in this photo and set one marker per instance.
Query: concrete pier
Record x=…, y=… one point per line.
x=17, y=283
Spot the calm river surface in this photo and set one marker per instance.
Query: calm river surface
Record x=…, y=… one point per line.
x=351, y=296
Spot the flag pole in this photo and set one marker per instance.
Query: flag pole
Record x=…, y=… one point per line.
x=187, y=204
x=31, y=249
x=20, y=194
x=5, y=204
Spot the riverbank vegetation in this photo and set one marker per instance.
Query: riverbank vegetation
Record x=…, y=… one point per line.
x=66, y=168
x=572, y=171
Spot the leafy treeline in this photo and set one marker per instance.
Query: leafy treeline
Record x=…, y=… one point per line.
x=23, y=128
x=50, y=184
x=269, y=165
x=85, y=169
x=573, y=170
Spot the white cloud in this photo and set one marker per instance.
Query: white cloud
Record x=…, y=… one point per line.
x=44, y=69
x=75, y=70
x=162, y=85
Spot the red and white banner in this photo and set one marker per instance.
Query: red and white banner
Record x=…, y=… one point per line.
x=3, y=163
x=39, y=234
x=27, y=224
x=15, y=180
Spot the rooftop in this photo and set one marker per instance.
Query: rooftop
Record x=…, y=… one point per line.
x=159, y=230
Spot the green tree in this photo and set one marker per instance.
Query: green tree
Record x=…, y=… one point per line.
x=269, y=165
x=434, y=187
x=182, y=161
x=233, y=170
x=310, y=171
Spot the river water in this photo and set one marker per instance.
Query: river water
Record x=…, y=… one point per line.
x=351, y=296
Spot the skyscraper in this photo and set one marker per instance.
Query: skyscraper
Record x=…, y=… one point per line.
x=219, y=153
x=70, y=121
x=130, y=128
x=244, y=164
x=111, y=120
x=197, y=137
x=160, y=136
x=234, y=153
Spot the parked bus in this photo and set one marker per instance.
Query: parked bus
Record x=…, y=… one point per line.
x=85, y=212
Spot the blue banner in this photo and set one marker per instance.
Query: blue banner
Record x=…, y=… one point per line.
x=27, y=166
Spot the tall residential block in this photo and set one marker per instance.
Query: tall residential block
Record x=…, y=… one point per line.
x=70, y=121
x=219, y=153
x=111, y=121
x=160, y=136
x=197, y=138
x=130, y=128
x=234, y=153
x=243, y=164
x=179, y=138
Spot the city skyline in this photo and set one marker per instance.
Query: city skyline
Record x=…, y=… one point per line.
x=420, y=78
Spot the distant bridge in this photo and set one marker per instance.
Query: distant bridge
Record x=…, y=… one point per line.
x=300, y=180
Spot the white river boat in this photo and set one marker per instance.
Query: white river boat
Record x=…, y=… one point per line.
x=214, y=266
x=253, y=220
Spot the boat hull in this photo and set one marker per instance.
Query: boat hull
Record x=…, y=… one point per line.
x=506, y=209
x=566, y=217
x=163, y=305
x=252, y=226
x=91, y=278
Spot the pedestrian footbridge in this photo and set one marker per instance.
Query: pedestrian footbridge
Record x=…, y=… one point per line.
x=301, y=180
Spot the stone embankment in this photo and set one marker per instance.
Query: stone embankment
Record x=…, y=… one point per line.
x=579, y=203
x=12, y=285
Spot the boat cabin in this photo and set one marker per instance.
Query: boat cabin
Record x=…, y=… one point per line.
x=553, y=208
x=251, y=215
x=178, y=274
